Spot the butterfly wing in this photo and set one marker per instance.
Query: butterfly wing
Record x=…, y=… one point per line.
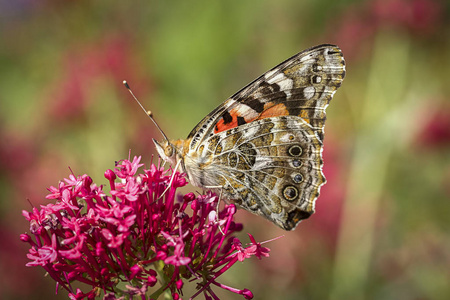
x=271, y=167
x=303, y=86
x=264, y=144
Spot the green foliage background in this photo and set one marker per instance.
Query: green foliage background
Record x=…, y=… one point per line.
x=381, y=229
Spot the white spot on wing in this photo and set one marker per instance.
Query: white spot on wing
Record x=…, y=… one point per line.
x=309, y=92
x=286, y=84
x=277, y=78
x=261, y=162
x=250, y=132
x=285, y=138
x=229, y=103
x=246, y=111
x=270, y=74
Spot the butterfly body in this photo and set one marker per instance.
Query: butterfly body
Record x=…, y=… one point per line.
x=263, y=146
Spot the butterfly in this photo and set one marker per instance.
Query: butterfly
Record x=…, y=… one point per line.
x=263, y=146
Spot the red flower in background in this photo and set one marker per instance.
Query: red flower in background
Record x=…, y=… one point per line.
x=436, y=130
x=419, y=16
x=16, y=153
x=360, y=24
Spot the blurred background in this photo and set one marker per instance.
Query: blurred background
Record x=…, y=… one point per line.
x=381, y=228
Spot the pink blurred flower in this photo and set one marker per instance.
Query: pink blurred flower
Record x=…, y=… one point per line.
x=108, y=59
x=436, y=131
x=419, y=16
x=359, y=25
x=16, y=152
x=101, y=240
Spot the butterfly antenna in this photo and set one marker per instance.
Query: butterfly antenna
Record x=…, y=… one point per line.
x=147, y=112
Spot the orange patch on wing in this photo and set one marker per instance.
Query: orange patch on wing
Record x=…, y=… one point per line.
x=273, y=111
x=222, y=126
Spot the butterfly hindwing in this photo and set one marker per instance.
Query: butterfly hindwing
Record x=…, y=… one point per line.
x=271, y=167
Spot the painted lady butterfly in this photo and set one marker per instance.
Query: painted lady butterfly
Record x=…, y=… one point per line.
x=263, y=146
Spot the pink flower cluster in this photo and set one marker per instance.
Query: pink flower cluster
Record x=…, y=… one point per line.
x=140, y=235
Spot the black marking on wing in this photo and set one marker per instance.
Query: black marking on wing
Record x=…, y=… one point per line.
x=254, y=104
x=227, y=118
x=241, y=121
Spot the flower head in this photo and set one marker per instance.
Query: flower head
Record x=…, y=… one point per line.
x=138, y=234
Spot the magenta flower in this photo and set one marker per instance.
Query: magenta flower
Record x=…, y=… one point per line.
x=136, y=235
x=435, y=131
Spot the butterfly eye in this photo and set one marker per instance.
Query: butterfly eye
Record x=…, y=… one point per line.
x=168, y=150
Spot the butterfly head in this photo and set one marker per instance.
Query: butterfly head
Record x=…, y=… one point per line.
x=166, y=151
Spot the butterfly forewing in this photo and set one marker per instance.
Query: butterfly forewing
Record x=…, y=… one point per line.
x=303, y=85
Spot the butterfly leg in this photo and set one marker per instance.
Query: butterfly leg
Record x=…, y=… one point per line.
x=220, y=194
x=218, y=202
x=171, y=179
